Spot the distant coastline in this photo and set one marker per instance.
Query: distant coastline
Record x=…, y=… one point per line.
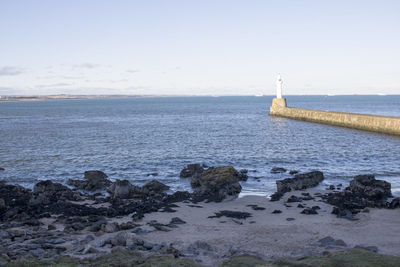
x=68, y=96
x=52, y=97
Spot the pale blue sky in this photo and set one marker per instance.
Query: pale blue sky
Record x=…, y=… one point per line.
x=199, y=47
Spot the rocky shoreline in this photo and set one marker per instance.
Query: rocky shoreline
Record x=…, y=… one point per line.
x=95, y=217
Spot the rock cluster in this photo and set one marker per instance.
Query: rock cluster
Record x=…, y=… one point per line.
x=94, y=180
x=214, y=183
x=363, y=191
x=298, y=182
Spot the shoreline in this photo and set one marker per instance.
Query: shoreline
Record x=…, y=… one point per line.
x=53, y=222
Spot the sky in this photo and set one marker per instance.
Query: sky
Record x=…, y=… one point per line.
x=188, y=47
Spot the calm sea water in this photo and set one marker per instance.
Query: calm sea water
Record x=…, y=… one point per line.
x=132, y=137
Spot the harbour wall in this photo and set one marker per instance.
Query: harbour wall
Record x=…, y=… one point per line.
x=373, y=123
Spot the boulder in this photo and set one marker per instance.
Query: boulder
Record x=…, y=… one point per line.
x=121, y=189
x=395, y=203
x=298, y=182
x=155, y=187
x=94, y=180
x=110, y=227
x=120, y=239
x=46, y=192
x=243, y=175
x=2, y=169
x=278, y=170
x=364, y=191
x=330, y=242
x=14, y=196
x=368, y=187
x=216, y=184
x=191, y=170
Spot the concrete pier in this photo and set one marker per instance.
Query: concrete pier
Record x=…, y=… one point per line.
x=373, y=123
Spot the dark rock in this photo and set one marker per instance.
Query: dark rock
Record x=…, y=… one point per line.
x=301, y=206
x=51, y=227
x=293, y=198
x=177, y=220
x=330, y=242
x=395, y=203
x=309, y=211
x=173, y=251
x=147, y=245
x=293, y=172
x=276, y=212
x=195, y=206
x=110, y=227
x=370, y=248
x=368, y=187
x=231, y=214
x=32, y=222
x=155, y=186
x=344, y=213
x=290, y=219
x=128, y=225
x=168, y=209
x=278, y=170
x=307, y=198
x=256, y=207
x=191, y=170
x=14, y=202
x=120, y=239
x=94, y=180
x=178, y=196
x=47, y=192
x=159, y=226
x=298, y=182
x=2, y=169
x=122, y=189
x=364, y=191
x=216, y=184
x=243, y=175
x=276, y=196
x=331, y=187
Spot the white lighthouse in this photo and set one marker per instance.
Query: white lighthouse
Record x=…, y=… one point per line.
x=279, y=83
x=278, y=103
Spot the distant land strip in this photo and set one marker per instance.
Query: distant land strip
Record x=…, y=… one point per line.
x=50, y=97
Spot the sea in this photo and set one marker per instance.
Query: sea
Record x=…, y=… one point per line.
x=141, y=139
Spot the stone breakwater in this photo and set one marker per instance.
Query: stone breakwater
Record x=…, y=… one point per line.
x=98, y=216
x=373, y=123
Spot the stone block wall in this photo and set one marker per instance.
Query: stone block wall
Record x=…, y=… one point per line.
x=375, y=123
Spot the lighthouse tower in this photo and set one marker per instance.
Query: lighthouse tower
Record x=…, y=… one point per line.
x=278, y=103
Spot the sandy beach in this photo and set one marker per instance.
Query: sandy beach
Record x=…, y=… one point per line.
x=272, y=235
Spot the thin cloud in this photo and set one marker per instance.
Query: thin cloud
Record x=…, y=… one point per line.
x=72, y=77
x=10, y=71
x=133, y=71
x=54, y=85
x=86, y=65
